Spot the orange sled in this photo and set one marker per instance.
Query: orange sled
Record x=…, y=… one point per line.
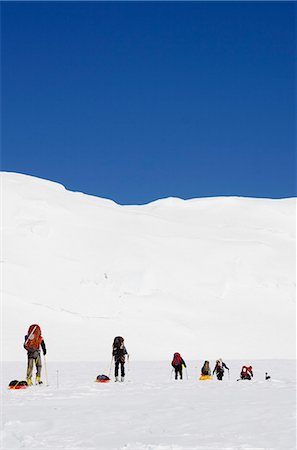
x=205, y=377
x=102, y=379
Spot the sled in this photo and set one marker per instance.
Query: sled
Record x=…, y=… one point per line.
x=18, y=386
x=205, y=377
x=15, y=384
x=102, y=379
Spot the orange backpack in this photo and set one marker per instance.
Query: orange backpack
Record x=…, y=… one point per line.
x=176, y=360
x=33, y=338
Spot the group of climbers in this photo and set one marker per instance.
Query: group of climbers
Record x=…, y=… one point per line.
x=178, y=364
x=34, y=340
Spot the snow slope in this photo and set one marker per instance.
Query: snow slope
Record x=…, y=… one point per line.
x=150, y=411
x=208, y=277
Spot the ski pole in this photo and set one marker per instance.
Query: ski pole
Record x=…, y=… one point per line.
x=128, y=359
x=228, y=374
x=187, y=373
x=46, y=375
x=110, y=367
x=171, y=374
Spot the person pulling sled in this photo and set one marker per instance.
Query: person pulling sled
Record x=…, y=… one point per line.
x=246, y=373
x=220, y=369
x=178, y=364
x=33, y=341
x=119, y=353
x=205, y=372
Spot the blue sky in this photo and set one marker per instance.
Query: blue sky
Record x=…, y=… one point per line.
x=136, y=101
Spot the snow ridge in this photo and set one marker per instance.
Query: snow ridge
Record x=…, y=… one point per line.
x=195, y=276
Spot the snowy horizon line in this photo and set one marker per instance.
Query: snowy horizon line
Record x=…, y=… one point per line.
x=152, y=202
x=165, y=361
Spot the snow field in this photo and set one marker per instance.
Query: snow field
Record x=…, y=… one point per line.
x=217, y=271
x=150, y=411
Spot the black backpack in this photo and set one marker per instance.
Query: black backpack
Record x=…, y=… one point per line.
x=18, y=383
x=118, y=342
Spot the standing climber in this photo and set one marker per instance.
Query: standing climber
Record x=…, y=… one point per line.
x=119, y=352
x=178, y=363
x=33, y=341
x=219, y=369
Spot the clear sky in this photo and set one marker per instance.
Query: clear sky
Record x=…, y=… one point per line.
x=136, y=101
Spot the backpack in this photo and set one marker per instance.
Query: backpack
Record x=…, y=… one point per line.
x=17, y=383
x=176, y=360
x=219, y=367
x=33, y=338
x=118, y=342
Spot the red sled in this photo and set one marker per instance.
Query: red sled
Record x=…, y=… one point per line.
x=17, y=387
x=15, y=384
x=102, y=379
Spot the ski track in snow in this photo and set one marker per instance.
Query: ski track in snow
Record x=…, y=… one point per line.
x=150, y=411
x=82, y=316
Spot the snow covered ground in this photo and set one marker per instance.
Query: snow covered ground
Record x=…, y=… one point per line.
x=209, y=278
x=150, y=411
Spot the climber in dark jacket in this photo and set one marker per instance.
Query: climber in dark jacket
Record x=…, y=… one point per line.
x=119, y=353
x=219, y=369
x=178, y=363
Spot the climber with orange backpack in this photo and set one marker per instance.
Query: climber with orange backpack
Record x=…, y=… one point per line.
x=33, y=341
x=178, y=363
